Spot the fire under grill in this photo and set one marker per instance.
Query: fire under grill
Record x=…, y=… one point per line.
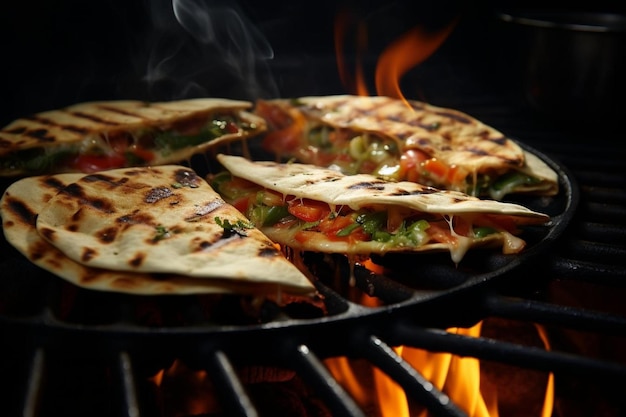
x=556, y=310
x=77, y=352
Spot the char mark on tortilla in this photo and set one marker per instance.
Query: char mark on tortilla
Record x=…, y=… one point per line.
x=77, y=191
x=187, y=178
x=52, y=124
x=137, y=260
x=117, y=251
x=269, y=251
x=98, y=136
x=400, y=140
x=376, y=216
x=106, y=179
x=107, y=235
x=41, y=135
x=88, y=254
x=372, y=185
x=157, y=194
x=21, y=211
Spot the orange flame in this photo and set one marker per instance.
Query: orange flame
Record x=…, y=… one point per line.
x=458, y=377
x=408, y=51
x=157, y=379
x=548, y=403
x=342, y=22
x=184, y=391
x=411, y=49
x=390, y=393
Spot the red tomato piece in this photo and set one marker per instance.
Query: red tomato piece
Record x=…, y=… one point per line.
x=506, y=223
x=119, y=141
x=440, y=232
x=93, y=163
x=284, y=141
x=286, y=130
x=411, y=165
x=231, y=128
x=241, y=203
x=330, y=226
x=456, y=175
x=143, y=154
x=437, y=169
x=359, y=235
x=276, y=117
x=308, y=210
x=443, y=173
x=461, y=226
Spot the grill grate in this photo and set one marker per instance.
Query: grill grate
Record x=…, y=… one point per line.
x=99, y=343
x=66, y=351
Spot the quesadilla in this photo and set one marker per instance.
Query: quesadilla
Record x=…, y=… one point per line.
x=403, y=141
x=149, y=231
x=309, y=208
x=94, y=136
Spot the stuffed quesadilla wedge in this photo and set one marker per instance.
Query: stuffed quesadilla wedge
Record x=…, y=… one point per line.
x=310, y=208
x=95, y=136
x=403, y=141
x=109, y=242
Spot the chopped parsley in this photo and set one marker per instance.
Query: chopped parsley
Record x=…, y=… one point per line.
x=239, y=227
x=161, y=233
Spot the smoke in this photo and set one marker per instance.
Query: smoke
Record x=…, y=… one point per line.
x=199, y=48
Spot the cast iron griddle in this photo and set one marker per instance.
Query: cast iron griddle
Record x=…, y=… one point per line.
x=354, y=297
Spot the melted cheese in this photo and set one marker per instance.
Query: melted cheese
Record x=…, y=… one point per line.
x=512, y=244
x=461, y=244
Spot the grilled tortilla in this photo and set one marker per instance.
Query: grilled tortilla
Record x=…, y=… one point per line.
x=316, y=209
x=95, y=136
x=99, y=242
x=403, y=141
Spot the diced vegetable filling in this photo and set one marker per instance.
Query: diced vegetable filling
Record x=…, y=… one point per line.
x=124, y=149
x=357, y=152
x=393, y=226
x=368, y=153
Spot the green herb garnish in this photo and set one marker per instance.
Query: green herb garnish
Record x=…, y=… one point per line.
x=161, y=233
x=239, y=227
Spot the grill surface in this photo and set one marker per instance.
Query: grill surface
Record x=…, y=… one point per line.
x=70, y=351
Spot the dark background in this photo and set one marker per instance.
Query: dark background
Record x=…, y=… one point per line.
x=59, y=53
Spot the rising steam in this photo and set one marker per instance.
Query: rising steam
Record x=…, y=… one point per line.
x=205, y=48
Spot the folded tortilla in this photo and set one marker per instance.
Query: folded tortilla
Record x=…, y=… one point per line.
x=95, y=136
x=362, y=214
x=146, y=231
x=403, y=140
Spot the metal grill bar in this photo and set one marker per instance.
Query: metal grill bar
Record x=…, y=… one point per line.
x=414, y=383
x=314, y=371
x=35, y=383
x=230, y=390
x=510, y=353
x=597, y=251
x=602, y=232
x=588, y=254
x=598, y=273
x=130, y=406
x=546, y=313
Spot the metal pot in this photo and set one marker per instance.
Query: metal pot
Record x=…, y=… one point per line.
x=573, y=63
